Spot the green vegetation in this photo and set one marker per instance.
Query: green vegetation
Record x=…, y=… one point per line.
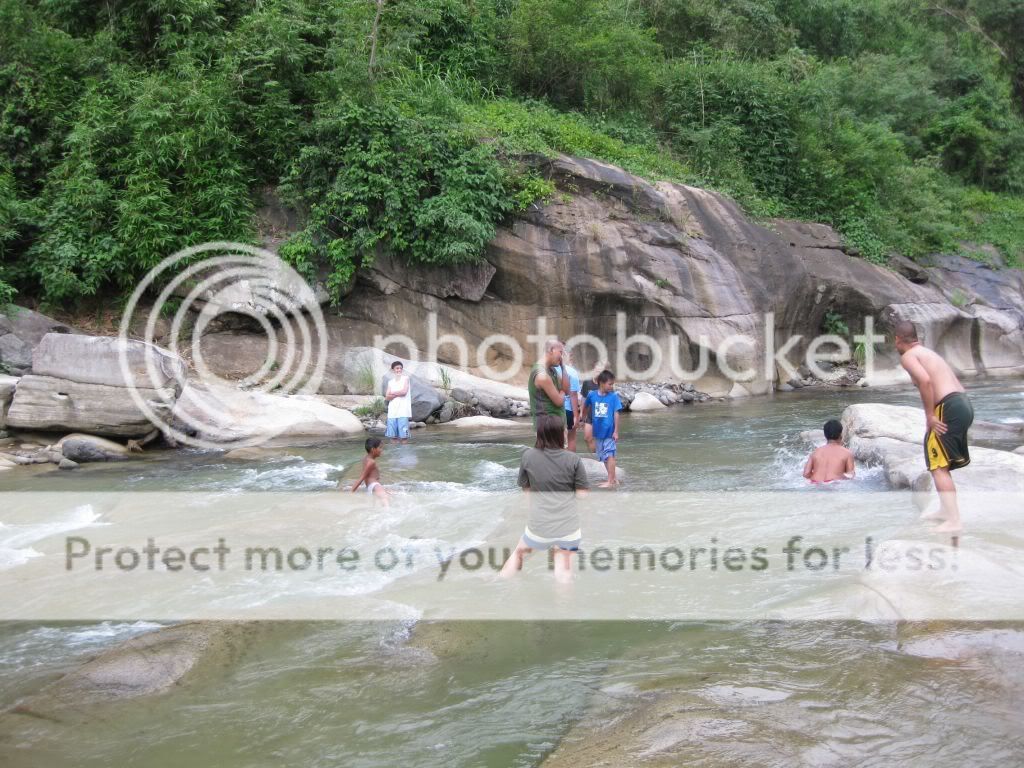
x=131, y=128
x=366, y=380
x=834, y=324
x=375, y=409
x=446, y=380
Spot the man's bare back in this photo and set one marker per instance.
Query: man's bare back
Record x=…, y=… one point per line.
x=942, y=379
x=828, y=463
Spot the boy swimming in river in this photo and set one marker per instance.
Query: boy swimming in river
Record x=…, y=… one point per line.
x=371, y=472
x=831, y=461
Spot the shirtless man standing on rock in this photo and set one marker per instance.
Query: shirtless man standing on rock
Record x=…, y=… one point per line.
x=948, y=413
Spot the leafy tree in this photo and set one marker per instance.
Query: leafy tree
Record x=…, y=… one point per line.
x=375, y=180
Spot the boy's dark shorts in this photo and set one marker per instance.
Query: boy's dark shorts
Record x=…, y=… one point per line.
x=950, y=450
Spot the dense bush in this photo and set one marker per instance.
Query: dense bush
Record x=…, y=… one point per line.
x=373, y=179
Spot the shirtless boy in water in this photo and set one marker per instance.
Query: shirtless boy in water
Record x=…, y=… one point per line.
x=948, y=415
x=831, y=461
x=371, y=472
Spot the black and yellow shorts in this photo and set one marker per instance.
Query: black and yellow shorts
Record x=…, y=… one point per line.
x=950, y=450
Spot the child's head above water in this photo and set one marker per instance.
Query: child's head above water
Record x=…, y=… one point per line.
x=833, y=430
x=605, y=380
x=373, y=446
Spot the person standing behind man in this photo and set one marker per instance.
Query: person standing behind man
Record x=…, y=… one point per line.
x=588, y=386
x=548, y=389
x=948, y=415
x=573, y=403
x=399, y=398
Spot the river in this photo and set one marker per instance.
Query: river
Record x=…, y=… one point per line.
x=508, y=693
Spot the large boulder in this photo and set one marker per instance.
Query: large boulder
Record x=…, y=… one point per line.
x=597, y=473
x=96, y=360
x=225, y=415
x=493, y=404
x=358, y=370
x=891, y=436
x=20, y=331
x=79, y=386
x=58, y=405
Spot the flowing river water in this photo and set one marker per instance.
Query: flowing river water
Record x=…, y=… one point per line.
x=509, y=693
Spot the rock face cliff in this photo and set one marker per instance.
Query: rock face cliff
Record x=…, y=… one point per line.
x=687, y=267
x=683, y=265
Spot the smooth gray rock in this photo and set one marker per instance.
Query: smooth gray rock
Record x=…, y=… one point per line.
x=7, y=386
x=96, y=360
x=87, y=448
x=463, y=281
x=57, y=405
x=223, y=414
x=147, y=665
x=645, y=401
x=891, y=436
x=15, y=354
x=425, y=399
x=21, y=330
x=447, y=412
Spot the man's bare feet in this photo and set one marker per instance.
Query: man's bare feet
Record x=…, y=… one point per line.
x=950, y=526
x=608, y=484
x=933, y=513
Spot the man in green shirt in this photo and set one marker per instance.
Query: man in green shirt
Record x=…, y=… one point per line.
x=547, y=389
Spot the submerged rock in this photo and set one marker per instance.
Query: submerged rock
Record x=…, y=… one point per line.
x=147, y=665
x=596, y=471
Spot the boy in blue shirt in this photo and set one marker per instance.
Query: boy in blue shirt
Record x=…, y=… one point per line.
x=603, y=406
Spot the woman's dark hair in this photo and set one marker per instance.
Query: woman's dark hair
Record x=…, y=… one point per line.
x=833, y=429
x=397, y=364
x=550, y=432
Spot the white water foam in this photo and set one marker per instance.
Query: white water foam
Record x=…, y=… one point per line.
x=301, y=476
x=788, y=469
x=14, y=539
x=40, y=646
